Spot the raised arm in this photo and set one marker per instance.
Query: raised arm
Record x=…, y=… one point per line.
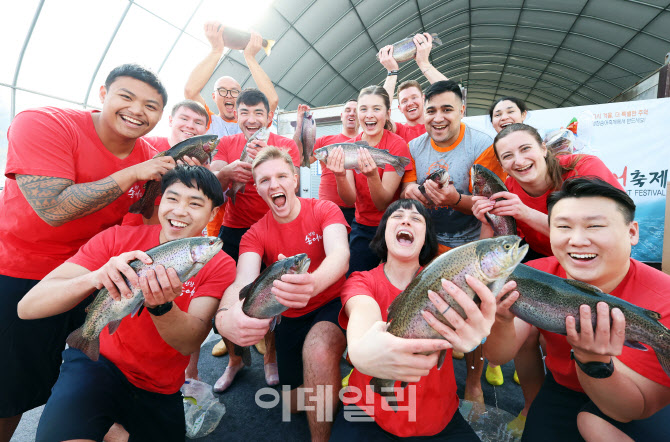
x=424, y=43
x=204, y=70
x=260, y=77
x=58, y=200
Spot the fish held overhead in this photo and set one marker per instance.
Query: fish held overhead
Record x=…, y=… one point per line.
x=237, y=39
x=380, y=156
x=307, y=137
x=405, y=50
x=491, y=261
x=486, y=183
x=260, y=302
x=186, y=256
x=546, y=300
x=202, y=147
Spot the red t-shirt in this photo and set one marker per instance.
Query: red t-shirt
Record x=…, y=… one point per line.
x=366, y=212
x=328, y=184
x=161, y=144
x=249, y=207
x=137, y=348
x=408, y=133
x=268, y=238
x=59, y=143
x=588, y=165
x=643, y=286
x=435, y=402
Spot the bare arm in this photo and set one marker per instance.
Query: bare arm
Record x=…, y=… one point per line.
x=260, y=77
x=204, y=70
x=512, y=205
x=424, y=44
x=507, y=334
x=382, y=190
x=58, y=200
x=386, y=59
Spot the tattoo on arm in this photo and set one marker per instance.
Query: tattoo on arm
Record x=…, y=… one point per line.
x=59, y=200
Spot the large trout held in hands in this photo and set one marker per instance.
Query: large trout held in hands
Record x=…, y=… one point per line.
x=489, y=260
x=187, y=256
x=261, y=134
x=546, y=300
x=259, y=302
x=202, y=147
x=486, y=183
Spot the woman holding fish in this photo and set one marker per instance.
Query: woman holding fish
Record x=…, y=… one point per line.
x=428, y=406
x=374, y=188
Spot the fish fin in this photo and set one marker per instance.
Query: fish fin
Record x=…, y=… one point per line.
x=113, y=326
x=355, y=169
x=652, y=315
x=663, y=352
x=403, y=385
x=436, y=40
x=441, y=358
x=268, y=48
x=400, y=168
x=246, y=290
x=634, y=344
x=244, y=353
x=137, y=310
x=276, y=320
x=584, y=285
x=362, y=143
x=90, y=347
x=384, y=387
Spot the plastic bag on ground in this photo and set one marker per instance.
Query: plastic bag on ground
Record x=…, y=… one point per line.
x=202, y=409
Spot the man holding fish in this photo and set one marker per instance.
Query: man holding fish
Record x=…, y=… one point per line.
x=132, y=373
x=70, y=175
x=410, y=96
x=227, y=89
x=309, y=341
x=612, y=388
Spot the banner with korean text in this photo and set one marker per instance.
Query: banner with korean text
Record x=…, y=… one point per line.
x=633, y=139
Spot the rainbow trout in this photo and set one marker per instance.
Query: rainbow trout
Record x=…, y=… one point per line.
x=307, y=137
x=187, y=256
x=202, y=147
x=261, y=134
x=238, y=39
x=546, y=300
x=486, y=183
x=489, y=260
x=259, y=302
x=440, y=176
x=381, y=157
x=405, y=50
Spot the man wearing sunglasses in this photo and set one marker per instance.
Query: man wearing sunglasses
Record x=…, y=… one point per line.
x=227, y=89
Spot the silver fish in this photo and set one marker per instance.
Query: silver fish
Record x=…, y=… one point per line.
x=486, y=183
x=405, y=49
x=381, y=157
x=307, y=137
x=261, y=134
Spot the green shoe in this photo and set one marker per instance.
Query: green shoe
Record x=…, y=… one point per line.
x=494, y=375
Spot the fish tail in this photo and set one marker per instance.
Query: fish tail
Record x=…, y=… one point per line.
x=436, y=40
x=136, y=207
x=90, y=347
x=400, y=167
x=384, y=387
x=663, y=353
x=245, y=354
x=268, y=48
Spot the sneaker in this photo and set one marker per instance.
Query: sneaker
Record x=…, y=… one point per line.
x=494, y=375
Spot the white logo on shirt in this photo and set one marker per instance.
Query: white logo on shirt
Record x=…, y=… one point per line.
x=135, y=192
x=312, y=237
x=188, y=288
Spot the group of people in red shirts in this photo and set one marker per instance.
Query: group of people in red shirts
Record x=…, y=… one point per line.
x=72, y=175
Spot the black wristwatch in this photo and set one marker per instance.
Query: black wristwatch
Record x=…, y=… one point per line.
x=598, y=370
x=160, y=310
x=214, y=320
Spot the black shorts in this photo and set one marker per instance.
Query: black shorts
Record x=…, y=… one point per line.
x=362, y=257
x=349, y=214
x=231, y=238
x=90, y=396
x=655, y=428
x=30, y=350
x=290, y=336
x=553, y=414
x=457, y=430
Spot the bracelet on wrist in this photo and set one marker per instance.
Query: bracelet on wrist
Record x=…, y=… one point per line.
x=161, y=309
x=423, y=71
x=392, y=73
x=460, y=195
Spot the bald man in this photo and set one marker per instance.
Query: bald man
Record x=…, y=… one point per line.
x=226, y=89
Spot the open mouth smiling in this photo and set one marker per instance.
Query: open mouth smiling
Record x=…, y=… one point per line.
x=404, y=237
x=278, y=199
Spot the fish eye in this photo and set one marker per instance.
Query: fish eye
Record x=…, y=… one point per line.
x=507, y=246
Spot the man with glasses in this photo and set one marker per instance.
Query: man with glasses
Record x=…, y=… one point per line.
x=227, y=89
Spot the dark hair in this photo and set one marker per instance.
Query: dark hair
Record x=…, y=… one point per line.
x=137, y=72
x=585, y=187
x=429, y=249
x=381, y=92
x=198, y=177
x=518, y=101
x=440, y=87
x=251, y=97
x=194, y=106
x=408, y=84
x=554, y=168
